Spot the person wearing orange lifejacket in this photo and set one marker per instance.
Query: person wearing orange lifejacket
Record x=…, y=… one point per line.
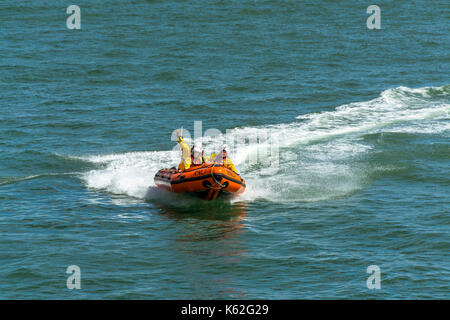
x=186, y=159
x=222, y=159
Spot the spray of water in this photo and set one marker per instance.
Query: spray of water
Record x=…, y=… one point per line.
x=319, y=156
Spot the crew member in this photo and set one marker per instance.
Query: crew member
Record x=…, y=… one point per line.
x=197, y=155
x=186, y=160
x=222, y=158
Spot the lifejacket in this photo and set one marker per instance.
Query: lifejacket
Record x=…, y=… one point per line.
x=226, y=162
x=186, y=160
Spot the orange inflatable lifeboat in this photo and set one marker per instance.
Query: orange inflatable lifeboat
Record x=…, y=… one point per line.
x=207, y=181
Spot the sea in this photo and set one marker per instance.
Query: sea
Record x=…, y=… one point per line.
x=337, y=116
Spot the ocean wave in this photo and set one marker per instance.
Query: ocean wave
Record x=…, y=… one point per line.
x=321, y=157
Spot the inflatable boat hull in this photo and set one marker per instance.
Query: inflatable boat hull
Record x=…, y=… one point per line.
x=206, y=181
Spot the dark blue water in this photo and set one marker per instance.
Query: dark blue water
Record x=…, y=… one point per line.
x=358, y=120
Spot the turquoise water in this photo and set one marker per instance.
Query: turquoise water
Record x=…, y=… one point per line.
x=359, y=118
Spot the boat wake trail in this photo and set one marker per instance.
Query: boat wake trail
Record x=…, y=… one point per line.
x=320, y=156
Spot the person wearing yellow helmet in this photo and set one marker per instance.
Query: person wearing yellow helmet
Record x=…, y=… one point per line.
x=186, y=160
